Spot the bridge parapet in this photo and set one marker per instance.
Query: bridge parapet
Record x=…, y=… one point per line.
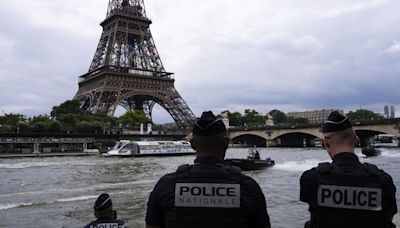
x=270, y=133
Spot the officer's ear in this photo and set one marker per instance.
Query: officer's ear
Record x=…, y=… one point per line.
x=356, y=140
x=326, y=142
x=226, y=142
x=192, y=144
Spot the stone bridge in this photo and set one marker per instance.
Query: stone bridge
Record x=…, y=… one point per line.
x=295, y=136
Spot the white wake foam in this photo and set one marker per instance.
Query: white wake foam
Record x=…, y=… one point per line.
x=30, y=165
x=296, y=166
x=390, y=154
x=71, y=199
x=10, y=206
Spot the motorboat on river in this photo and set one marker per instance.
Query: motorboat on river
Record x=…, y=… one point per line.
x=378, y=142
x=370, y=151
x=252, y=162
x=150, y=148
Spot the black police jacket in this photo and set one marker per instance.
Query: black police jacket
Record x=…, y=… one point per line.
x=207, y=194
x=347, y=193
x=106, y=223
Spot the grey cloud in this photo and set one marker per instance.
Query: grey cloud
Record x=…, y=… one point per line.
x=292, y=55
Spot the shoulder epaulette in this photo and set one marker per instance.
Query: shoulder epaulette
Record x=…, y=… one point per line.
x=236, y=172
x=324, y=167
x=372, y=169
x=183, y=171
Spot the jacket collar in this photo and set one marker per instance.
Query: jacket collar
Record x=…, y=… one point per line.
x=345, y=156
x=208, y=160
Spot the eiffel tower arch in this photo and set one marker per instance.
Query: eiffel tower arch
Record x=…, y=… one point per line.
x=127, y=70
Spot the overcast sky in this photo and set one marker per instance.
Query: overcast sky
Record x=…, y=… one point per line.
x=292, y=55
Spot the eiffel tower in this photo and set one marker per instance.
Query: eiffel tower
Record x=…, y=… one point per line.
x=127, y=70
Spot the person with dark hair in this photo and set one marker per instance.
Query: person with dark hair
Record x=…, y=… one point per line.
x=106, y=216
x=347, y=193
x=209, y=193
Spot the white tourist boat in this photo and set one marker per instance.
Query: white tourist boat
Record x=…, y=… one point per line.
x=150, y=148
x=385, y=140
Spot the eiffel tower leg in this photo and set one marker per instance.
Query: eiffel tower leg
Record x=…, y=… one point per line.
x=103, y=102
x=179, y=110
x=148, y=108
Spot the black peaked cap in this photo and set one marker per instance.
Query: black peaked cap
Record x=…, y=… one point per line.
x=208, y=125
x=336, y=122
x=103, y=202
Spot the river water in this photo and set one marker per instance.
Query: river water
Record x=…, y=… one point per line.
x=60, y=191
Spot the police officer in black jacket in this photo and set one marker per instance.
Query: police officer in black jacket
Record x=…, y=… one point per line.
x=209, y=193
x=347, y=193
x=106, y=216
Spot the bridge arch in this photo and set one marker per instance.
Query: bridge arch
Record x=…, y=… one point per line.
x=312, y=132
x=249, y=140
x=296, y=139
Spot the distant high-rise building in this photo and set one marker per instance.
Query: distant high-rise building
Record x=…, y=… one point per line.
x=386, y=111
x=389, y=112
x=392, y=111
x=316, y=116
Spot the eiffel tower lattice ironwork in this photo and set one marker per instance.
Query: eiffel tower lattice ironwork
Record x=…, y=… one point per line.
x=127, y=70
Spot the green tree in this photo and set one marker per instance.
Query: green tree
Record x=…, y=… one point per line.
x=12, y=119
x=55, y=126
x=297, y=121
x=23, y=127
x=251, y=118
x=5, y=129
x=363, y=114
x=67, y=107
x=97, y=127
x=83, y=127
x=39, y=118
x=133, y=119
x=278, y=116
x=68, y=121
x=39, y=127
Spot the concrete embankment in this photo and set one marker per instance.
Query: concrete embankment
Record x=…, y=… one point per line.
x=55, y=154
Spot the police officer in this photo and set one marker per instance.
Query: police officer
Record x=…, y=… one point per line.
x=106, y=217
x=347, y=193
x=208, y=193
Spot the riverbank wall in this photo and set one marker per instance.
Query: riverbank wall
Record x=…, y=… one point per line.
x=54, y=154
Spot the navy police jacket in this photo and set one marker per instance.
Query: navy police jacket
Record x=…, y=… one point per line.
x=207, y=194
x=106, y=223
x=347, y=193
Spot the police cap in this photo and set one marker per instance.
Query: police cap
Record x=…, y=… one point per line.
x=103, y=202
x=208, y=125
x=336, y=122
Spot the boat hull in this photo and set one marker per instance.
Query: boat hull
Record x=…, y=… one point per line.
x=150, y=155
x=251, y=164
x=370, y=151
x=151, y=148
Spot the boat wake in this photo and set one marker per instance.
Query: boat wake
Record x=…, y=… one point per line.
x=29, y=204
x=297, y=166
x=29, y=165
x=26, y=165
x=390, y=154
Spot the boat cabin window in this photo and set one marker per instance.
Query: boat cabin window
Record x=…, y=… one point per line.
x=384, y=139
x=117, y=146
x=128, y=146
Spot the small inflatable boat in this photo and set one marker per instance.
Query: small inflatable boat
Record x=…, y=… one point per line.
x=252, y=162
x=370, y=151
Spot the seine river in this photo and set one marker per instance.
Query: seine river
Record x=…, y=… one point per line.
x=60, y=192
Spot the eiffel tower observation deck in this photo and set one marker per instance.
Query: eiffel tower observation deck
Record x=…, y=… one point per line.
x=127, y=70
